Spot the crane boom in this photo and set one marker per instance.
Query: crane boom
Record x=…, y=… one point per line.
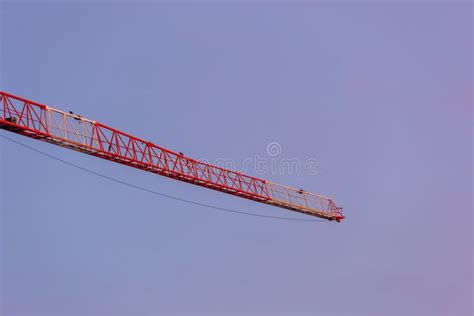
x=75, y=132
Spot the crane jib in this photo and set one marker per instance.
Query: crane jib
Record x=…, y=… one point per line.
x=73, y=131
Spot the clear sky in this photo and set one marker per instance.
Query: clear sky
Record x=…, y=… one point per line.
x=380, y=93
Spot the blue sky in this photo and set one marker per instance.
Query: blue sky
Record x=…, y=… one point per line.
x=380, y=94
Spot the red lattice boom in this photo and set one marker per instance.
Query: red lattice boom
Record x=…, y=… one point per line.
x=73, y=131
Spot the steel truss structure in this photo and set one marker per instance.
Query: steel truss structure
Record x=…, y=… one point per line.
x=75, y=132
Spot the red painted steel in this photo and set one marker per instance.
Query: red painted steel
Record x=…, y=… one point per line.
x=73, y=131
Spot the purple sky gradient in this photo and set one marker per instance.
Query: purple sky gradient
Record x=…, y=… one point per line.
x=380, y=94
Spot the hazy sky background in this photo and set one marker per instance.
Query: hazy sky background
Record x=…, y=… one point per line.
x=380, y=94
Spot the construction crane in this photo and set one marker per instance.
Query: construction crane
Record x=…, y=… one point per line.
x=75, y=132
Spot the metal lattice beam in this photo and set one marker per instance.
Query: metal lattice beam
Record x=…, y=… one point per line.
x=73, y=131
